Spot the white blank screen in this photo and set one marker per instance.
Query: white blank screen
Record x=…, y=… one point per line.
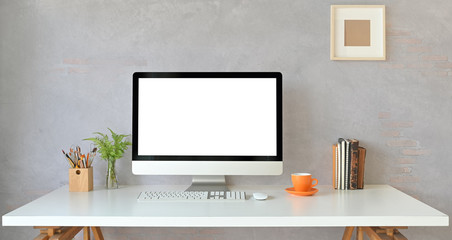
x=207, y=116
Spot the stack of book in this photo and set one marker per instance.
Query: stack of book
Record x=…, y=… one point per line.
x=348, y=164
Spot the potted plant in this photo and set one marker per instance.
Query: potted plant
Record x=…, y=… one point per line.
x=110, y=151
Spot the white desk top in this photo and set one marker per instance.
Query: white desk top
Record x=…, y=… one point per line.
x=376, y=205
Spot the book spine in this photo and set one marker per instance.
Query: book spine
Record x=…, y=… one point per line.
x=354, y=165
x=361, y=163
x=334, y=166
x=347, y=164
x=342, y=160
x=337, y=166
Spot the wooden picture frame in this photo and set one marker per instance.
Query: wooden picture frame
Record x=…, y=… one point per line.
x=358, y=32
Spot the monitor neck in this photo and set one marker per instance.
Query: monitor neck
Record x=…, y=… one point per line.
x=208, y=183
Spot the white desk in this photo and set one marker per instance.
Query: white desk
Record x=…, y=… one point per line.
x=376, y=205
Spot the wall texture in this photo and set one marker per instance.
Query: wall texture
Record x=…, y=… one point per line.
x=66, y=70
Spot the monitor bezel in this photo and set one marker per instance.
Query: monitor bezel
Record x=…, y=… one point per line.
x=135, y=101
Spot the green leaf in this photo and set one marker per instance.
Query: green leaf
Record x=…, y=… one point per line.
x=113, y=149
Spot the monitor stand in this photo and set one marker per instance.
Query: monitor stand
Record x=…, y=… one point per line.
x=208, y=183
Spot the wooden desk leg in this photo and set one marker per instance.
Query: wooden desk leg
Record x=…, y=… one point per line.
x=384, y=233
x=46, y=232
x=86, y=233
x=67, y=233
x=97, y=233
x=348, y=233
x=42, y=236
x=359, y=233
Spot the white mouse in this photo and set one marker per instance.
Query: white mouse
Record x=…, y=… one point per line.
x=260, y=196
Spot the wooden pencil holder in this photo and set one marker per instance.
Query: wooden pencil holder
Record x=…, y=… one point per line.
x=80, y=179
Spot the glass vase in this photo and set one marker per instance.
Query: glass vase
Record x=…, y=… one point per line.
x=112, y=181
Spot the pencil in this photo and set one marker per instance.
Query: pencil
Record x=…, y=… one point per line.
x=68, y=159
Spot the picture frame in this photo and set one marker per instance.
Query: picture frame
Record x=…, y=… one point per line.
x=358, y=32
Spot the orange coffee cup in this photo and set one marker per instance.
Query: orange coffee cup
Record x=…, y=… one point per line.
x=302, y=182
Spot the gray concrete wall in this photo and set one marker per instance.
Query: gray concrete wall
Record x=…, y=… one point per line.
x=66, y=70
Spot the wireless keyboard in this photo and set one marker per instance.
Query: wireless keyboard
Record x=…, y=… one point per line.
x=191, y=196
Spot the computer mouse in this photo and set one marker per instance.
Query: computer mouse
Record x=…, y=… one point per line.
x=260, y=196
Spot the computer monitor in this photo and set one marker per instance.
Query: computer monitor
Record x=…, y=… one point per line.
x=207, y=124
